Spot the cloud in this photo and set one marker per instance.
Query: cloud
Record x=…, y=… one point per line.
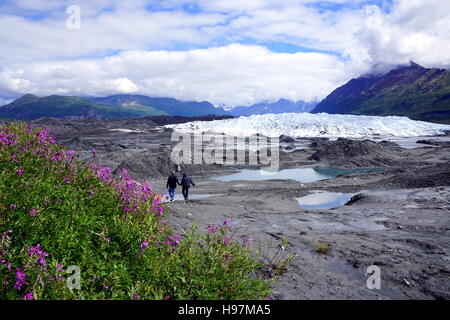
x=414, y=30
x=102, y=33
x=37, y=30
x=123, y=85
x=233, y=74
x=213, y=49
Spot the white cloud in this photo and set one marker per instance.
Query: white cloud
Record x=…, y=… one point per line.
x=26, y=40
x=234, y=74
x=414, y=30
x=123, y=85
x=42, y=56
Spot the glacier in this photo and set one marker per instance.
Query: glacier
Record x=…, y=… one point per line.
x=315, y=125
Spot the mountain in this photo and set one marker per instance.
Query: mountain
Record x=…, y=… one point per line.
x=412, y=91
x=30, y=107
x=170, y=106
x=280, y=106
x=165, y=106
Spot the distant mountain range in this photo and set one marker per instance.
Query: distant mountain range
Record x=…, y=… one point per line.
x=171, y=106
x=412, y=91
x=162, y=106
x=280, y=106
x=30, y=107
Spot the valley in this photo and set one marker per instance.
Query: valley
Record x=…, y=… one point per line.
x=398, y=219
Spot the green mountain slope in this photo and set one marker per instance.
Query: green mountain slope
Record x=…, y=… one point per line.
x=413, y=91
x=30, y=107
x=167, y=106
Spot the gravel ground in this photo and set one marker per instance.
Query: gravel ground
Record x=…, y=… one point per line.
x=401, y=221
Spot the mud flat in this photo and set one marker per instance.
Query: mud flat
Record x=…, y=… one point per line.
x=399, y=220
x=403, y=231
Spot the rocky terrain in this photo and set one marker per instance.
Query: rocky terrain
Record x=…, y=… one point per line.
x=398, y=218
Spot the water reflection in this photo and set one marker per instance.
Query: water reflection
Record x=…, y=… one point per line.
x=304, y=175
x=179, y=196
x=324, y=200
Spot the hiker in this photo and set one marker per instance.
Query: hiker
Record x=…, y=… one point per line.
x=185, y=184
x=172, y=182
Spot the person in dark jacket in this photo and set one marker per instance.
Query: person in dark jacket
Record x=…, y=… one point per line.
x=185, y=184
x=171, y=185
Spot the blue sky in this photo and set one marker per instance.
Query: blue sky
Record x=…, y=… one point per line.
x=36, y=12
x=227, y=52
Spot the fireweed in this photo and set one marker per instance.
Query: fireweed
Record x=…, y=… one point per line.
x=56, y=211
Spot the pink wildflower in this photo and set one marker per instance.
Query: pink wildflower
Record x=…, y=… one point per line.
x=212, y=229
x=33, y=212
x=28, y=296
x=226, y=240
x=176, y=240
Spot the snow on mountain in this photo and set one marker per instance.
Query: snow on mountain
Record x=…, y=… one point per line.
x=279, y=106
x=315, y=125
